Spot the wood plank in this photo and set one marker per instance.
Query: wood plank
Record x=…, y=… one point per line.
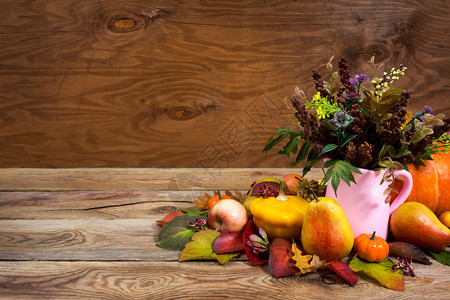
x=191, y=83
x=196, y=280
x=76, y=240
x=74, y=205
x=176, y=179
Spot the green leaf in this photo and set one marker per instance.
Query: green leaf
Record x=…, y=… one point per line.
x=382, y=152
x=284, y=133
x=329, y=163
x=348, y=139
x=390, y=150
x=420, y=134
x=291, y=146
x=442, y=257
x=345, y=176
x=335, y=181
x=313, y=158
x=385, y=118
x=339, y=170
x=177, y=233
x=426, y=156
x=196, y=212
x=302, y=153
x=418, y=161
x=391, y=92
x=328, y=148
x=201, y=248
x=381, y=272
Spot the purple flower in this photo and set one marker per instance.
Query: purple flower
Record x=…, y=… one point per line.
x=352, y=97
x=357, y=80
x=427, y=110
x=341, y=119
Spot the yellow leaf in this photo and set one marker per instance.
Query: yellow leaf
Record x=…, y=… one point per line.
x=301, y=261
x=307, y=263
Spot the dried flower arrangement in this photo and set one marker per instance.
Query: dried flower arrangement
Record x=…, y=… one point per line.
x=355, y=126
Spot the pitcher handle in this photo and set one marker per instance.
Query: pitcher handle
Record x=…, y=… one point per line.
x=404, y=193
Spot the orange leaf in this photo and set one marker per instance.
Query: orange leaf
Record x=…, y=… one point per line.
x=302, y=261
x=306, y=263
x=169, y=217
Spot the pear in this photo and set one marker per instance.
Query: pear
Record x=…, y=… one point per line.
x=414, y=223
x=326, y=231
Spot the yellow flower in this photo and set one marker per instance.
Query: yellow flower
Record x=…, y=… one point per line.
x=316, y=97
x=408, y=118
x=320, y=113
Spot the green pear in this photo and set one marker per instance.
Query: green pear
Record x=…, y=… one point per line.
x=326, y=231
x=414, y=223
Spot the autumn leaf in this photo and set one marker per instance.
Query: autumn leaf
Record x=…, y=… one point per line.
x=177, y=233
x=169, y=217
x=306, y=263
x=401, y=249
x=228, y=242
x=317, y=263
x=301, y=261
x=202, y=202
x=236, y=196
x=201, y=248
x=280, y=262
x=343, y=270
x=382, y=272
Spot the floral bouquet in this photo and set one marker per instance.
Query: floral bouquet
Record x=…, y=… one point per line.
x=358, y=122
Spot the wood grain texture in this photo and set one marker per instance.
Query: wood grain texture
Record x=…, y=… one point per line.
x=193, y=280
x=82, y=240
x=63, y=243
x=190, y=179
x=153, y=83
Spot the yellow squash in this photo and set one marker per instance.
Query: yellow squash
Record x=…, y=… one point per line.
x=281, y=217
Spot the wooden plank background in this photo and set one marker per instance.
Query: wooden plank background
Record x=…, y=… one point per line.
x=128, y=83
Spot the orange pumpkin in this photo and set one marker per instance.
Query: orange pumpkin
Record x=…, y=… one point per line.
x=371, y=247
x=431, y=183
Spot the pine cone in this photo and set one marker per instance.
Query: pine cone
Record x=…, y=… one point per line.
x=305, y=188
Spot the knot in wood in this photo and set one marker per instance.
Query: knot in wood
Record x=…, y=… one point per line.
x=124, y=23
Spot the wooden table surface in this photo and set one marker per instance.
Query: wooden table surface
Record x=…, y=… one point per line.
x=90, y=233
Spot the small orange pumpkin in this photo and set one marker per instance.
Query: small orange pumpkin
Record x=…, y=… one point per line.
x=216, y=199
x=431, y=183
x=371, y=248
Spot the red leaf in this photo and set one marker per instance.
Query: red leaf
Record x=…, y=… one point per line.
x=281, y=263
x=254, y=258
x=228, y=242
x=343, y=270
x=169, y=217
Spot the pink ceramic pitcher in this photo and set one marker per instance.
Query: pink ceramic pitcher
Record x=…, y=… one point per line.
x=364, y=202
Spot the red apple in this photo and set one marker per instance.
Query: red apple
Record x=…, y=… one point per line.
x=227, y=215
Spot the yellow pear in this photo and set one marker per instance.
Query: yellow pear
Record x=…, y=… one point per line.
x=326, y=231
x=414, y=223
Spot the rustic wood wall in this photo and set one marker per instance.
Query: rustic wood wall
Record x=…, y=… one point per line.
x=147, y=83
